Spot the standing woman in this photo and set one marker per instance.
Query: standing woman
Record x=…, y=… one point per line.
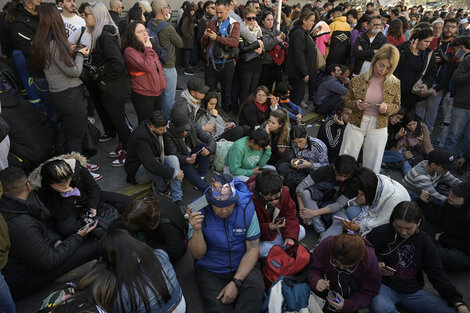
x=270, y=72
x=301, y=63
x=145, y=69
x=188, y=34
x=62, y=67
x=372, y=96
x=395, y=32
x=405, y=253
x=112, y=84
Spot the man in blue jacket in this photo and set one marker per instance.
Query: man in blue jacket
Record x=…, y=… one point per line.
x=224, y=241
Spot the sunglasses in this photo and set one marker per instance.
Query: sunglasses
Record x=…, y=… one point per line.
x=251, y=18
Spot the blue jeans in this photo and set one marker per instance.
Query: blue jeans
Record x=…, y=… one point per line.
x=143, y=177
x=418, y=302
x=265, y=246
x=6, y=302
x=170, y=90
x=196, y=178
x=336, y=227
x=186, y=59
x=428, y=109
x=353, y=211
x=459, y=126
x=391, y=156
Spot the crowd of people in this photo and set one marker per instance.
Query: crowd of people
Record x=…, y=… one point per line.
x=391, y=84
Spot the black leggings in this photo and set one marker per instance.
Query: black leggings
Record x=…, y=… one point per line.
x=235, y=133
x=145, y=105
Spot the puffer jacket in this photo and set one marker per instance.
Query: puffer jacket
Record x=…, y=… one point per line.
x=62, y=209
x=270, y=41
x=32, y=242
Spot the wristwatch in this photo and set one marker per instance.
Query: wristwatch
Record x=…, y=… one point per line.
x=237, y=282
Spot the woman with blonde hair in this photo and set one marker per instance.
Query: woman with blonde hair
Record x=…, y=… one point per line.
x=278, y=128
x=372, y=96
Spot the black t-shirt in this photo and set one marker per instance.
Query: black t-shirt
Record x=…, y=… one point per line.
x=410, y=258
x=327, y=174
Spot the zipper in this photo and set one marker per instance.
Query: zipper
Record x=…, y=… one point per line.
x=228, y=244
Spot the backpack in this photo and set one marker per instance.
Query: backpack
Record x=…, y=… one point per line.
x=153, y=34
x=8, y=79
x=288, y=262
x=279, y=53
x=223, y=146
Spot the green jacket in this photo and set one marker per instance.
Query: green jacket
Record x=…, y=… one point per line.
x=241, y=160
x=4, y=242
x=167, y=36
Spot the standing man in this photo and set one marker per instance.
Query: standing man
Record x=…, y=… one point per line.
x=169, y=41
x=74, y=23
x=221, y=36
x=115, y=12
x=224, y=241
x=337, y=51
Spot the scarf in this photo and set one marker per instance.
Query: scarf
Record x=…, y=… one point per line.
x=262, y=107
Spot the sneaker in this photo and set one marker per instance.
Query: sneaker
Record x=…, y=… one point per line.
x=96, y=176
x=189, y=73
x=166, y=193
x=105, y=138
x=91, y=119
x=92, y=167
x=303, y=105
x=181, y=206
x=120, y=160
x=116, y=153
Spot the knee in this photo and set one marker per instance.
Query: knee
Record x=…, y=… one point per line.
x=383, y=304
x=301, y=232
x=172, y=161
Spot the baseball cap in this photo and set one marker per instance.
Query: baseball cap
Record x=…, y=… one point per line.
x=462, y=190
x=222, y=192
x=443, y=158
x=197, y=84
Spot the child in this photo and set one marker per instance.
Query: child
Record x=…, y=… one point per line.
x=293, y=110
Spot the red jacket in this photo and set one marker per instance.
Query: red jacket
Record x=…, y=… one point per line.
x=394, y=41
x=287, y=209
x=145, y=70
x=232, y=41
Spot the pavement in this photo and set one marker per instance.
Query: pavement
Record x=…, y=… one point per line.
x=114, y=179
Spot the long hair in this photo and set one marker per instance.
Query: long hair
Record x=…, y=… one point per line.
x=51, y=29
x=407, y=211
x=395, y=28
x=102, y=18
x=366, y=181
x=283, y=119
x=129, y=265
x=386, y=52
x=130, y=40
x=252, y=97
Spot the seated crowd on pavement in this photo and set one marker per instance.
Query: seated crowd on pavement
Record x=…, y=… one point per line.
x=383, y=185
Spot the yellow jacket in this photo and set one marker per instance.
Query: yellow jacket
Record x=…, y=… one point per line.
x=339, y=25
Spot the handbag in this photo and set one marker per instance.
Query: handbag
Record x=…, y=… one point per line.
x=320, y=59
x=419, y=86
x=247, y=51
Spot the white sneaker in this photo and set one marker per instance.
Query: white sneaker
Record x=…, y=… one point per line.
x=96, y=176
x=92, y=167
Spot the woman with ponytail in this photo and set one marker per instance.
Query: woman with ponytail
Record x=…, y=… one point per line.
x=344, y=271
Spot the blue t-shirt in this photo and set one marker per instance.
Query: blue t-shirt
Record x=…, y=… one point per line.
x=223, y=31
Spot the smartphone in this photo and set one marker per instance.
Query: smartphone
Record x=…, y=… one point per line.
x=91, y=224
x=338, y=116
x=79, y=47
x=197, y=152
x=391, y=269
x=198, y=204
x=298, y=162
x=341, y=219
x=279, y=220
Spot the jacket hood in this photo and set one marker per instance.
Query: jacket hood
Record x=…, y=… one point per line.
x=71, y=159
x=111, y=29
x=340, y=19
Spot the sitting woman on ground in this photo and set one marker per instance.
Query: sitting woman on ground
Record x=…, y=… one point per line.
x=255, y=110
x=145, y=70
x=219, y=128
x=283, y=90
x=278, y=127
x=159, y=223
x=377, y=195
x=412, y=146
x=372, y=96
x=68, y=190
x=450, y=226
x=248, y=155
x=405, y=253
x=309, y=154
x=131, y=278
x=344, y=271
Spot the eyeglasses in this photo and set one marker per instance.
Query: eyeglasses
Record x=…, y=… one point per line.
x=341, y=267
x=251, y=18
x=375, y=25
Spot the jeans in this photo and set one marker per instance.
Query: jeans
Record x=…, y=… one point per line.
x=249, y=298
x=20, y=64
x=41, y=87
x=6, y=302
x=143, y=177
x=265, y=246
x=428, y=109
x=144, y=106
x=353, y=211
x=336, y=227
x=71, y=109
x=460, y=126
x=418, y=302
x=196, y=178
x=224, y=76
x=447, y=104
x=391, y=156
x=186, y=58
x=311, y=204
x=170, y=91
